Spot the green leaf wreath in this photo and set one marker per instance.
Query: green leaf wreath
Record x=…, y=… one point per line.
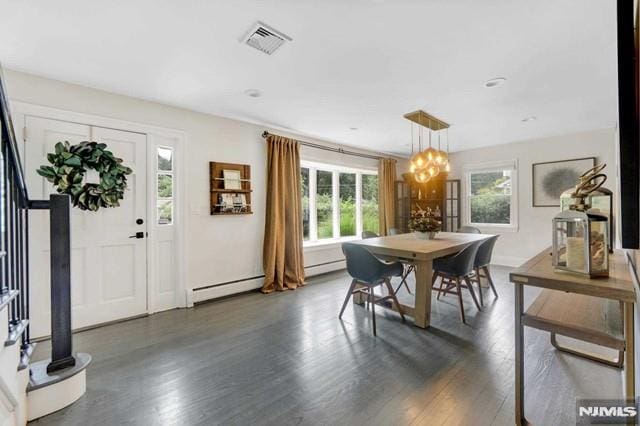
x=70, y=163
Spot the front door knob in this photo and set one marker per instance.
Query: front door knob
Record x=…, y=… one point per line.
x=138, y=235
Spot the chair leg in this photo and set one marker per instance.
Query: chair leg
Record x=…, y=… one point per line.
x=477, y=272
x=410, y=269
x=373, y=309
x=460, y=300
x=473, y=292
x=433, y=281
x=346, y=299
x=445, y=285
x=405, y=275
x=395, y=299
x=486, y=271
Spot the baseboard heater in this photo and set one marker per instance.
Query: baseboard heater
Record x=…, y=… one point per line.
x=227, y=288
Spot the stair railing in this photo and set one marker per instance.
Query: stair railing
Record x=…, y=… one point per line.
x=14, y=252
x=14, y=230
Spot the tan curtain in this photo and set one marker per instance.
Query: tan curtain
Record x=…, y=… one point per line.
x=282, y=250
x=386, y=194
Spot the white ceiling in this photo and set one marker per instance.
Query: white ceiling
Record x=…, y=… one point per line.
x=352, y=63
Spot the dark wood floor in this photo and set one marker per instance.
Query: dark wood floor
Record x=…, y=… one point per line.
x=286, y=359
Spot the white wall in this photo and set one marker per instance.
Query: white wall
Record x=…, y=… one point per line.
x=219, y=248
x=534, y=232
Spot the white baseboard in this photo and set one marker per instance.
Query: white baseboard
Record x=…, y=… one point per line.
x=508, y=261
x=209, y=293
x=324, y=268
x=197, y=295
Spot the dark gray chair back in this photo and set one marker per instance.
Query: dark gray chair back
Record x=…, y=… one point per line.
x=369, y=234
x=461, y=264
x=362, y=265
x=393, y=231
x=469, y=230
x=483, y=257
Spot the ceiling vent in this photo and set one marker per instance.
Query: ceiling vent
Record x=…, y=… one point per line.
x=265, y=39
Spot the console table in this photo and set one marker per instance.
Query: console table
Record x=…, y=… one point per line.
x=598, y=311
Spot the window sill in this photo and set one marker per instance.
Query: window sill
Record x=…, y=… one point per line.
x=326, y=244
x=489, y=229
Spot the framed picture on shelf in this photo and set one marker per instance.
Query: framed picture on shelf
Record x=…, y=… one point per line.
x=552, y=178
x=239, y=203
x=226, y=202
x=232, y=179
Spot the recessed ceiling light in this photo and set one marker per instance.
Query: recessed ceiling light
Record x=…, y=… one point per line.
x=254, y=93
x=494, y=82
x=527, y=119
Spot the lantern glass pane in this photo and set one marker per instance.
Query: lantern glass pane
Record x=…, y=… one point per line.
x=599, y=250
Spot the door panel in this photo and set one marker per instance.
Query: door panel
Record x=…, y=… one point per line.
x=109, y=279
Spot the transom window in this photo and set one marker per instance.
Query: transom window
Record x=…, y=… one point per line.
x=338, y=203
x=491, y=195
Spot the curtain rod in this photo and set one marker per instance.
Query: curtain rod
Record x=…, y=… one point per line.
x=265, y=134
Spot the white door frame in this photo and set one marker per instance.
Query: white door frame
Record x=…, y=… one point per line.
x=22, y=109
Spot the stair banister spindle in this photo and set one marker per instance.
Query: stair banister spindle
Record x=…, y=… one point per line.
x=11, y=254
x=3, y=220
x=26, y=337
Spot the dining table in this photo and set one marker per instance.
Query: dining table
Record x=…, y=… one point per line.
x=409, y=249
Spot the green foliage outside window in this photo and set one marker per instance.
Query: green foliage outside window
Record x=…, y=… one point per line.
x=165, y=186
x=324, y=206
x=370, y=203
x=347, y=203
x=490, y=197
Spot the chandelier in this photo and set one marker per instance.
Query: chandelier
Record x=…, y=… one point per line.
x=427, y=163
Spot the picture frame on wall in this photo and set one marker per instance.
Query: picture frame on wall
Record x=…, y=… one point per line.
x=232, y=179
x=550, y=179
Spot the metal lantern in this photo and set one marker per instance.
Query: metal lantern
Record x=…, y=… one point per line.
x=581, y=233
x=580, y=243
x=601, y=202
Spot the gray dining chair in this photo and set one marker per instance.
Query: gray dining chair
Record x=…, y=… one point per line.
x=452, y=270
x=469, y=230
x=369, y=272
x=481, y=264
x=369, y=234
x=408, y=269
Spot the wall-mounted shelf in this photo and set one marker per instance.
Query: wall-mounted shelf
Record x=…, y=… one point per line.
x=234, y=191
x=230, y=195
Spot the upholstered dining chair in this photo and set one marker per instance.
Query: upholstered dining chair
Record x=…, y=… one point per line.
x=369, y=272
x=369, y=234
x=453, y=269
x=481, y=264
x=469, y=230
x=408, y=269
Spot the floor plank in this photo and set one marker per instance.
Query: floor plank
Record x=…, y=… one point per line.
x=285, y=359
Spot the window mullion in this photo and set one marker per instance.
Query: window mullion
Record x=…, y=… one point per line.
x=313, y=213
x=335, y=191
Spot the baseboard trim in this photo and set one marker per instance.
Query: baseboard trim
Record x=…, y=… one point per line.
x=227, y=288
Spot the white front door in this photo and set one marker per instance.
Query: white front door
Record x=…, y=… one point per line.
x=109, y=269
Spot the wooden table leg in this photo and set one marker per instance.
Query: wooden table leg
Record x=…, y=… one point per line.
x=519, y=387
x=422, y=309
x=629, y=359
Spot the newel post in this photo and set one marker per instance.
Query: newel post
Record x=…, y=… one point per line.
x=60, y=231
